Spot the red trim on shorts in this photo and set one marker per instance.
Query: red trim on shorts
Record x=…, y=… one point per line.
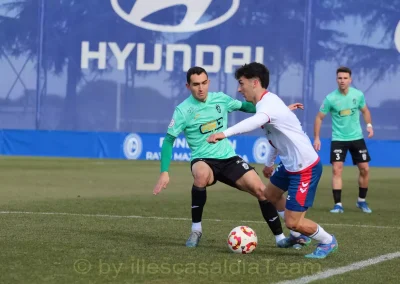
x=306, y=169
x=304, y=185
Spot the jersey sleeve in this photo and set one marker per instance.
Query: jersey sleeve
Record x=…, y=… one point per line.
x=325, y=107
x=177, y=124
x=362, y=102
x=248, y=124
x=248, y=107
x=231, y=103
x=271, y=155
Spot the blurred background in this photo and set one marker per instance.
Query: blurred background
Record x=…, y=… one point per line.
x=120, y=65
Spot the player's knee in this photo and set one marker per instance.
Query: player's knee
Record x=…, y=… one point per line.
x=259, y=192
x=201, y=179
x=337, y=170
x=364, y=171
x=292, y=224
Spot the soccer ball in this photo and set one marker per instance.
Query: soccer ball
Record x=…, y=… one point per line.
x=242, y=239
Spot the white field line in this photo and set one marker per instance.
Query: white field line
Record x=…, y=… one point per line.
x=341, y=270
x=174, y=218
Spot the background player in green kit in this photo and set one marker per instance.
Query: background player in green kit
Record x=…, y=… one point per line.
x=344, y=105
x=198, y=116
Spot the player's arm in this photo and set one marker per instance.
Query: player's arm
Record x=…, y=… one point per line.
x=251, y=108
x=178, y=123
x=166, y=153
x=317, y=124
x=368, y=120
x=233, y=104
x=324, y=109
x=296, y=106
x=246, y=125
x=248, y=107
x=270, y=158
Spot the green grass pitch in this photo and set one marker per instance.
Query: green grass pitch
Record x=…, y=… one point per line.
x=114, y=230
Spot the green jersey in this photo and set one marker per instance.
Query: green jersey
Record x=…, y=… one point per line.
x=198, y=120
x=345, y=114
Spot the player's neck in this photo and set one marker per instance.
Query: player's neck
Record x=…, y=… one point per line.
x=344, y=92
x=200, y=100
x=259, y=95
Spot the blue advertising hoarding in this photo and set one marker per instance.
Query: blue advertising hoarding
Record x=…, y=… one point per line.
x=145, y=146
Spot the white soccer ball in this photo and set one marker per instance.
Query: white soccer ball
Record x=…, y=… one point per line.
x=242, y=239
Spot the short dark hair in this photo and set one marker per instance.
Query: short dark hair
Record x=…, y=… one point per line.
x=195, y=70
x=343, y=69
x=254, y=70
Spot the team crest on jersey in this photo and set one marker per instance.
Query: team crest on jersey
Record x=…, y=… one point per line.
x=218, y=108
x=172, y=123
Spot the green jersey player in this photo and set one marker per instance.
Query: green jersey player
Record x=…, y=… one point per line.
x=198, y=116
x=344, y=104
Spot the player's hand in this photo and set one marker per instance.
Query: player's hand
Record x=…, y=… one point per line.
x=370, y=131
x=214, y=138
x=317, y=144
x=267, y=171
x=296, y=106
x=162, y=183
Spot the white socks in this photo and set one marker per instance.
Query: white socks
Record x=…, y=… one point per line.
x=196, y=227
x=279, y=237
x=361, y=199
x=321, y=236
x=295, y=234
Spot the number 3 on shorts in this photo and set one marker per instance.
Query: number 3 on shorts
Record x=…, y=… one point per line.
x=337, y=156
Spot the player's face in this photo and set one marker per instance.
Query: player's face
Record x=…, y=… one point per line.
x=246, y=88
x=343, y=80
x=199, y=86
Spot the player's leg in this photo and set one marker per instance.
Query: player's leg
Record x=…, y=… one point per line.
x=338, y=155
x=280, y=183
x=296, y=221
x=203, y=176
x=239, y=174
x=302, y=190
x=361, y=158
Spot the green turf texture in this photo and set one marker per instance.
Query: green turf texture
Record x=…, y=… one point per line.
x=86, y=246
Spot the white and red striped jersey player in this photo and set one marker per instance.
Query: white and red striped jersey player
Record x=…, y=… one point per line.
x=300, y=168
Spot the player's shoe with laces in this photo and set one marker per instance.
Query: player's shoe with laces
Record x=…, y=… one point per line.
x=364, y=207
x=295, y=242
x=337, y=209
x=193, y=239
x=323, y=250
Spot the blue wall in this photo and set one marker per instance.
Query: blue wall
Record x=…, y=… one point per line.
x=145, y=146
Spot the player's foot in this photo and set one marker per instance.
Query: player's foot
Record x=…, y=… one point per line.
x=337, y=209
x=295, y=242
x=323, y=250
x=193, y=239
x=364, y=207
